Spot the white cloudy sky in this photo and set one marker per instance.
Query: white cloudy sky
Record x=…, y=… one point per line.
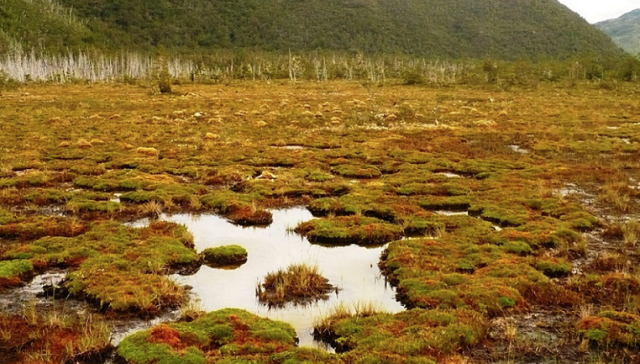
x=598, y=10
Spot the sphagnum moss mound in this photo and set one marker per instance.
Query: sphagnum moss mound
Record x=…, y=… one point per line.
x=117, y=267
x=228, y=255
x=349, y=230
x=230, y=334
x=414, y=335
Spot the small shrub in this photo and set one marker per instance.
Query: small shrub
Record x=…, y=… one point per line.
x=412, y=78
x=164, y=78
x=6, y=83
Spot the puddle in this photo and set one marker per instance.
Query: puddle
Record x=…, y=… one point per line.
x=123, y=328
x=12, y=300
x=568, y=189
x=625, y=140
x=116, y=197
x=139, y=223
x=289, y=147
x=451, y=213
x=450, y=175
x=586, y=198
x=353, y=269
x=50, y=210
x=23, y=172
x=518, y=149
x=613, y=127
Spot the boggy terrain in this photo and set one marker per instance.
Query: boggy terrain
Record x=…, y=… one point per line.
x=510, y=215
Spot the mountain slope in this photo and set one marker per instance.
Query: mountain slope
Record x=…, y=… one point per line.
x=624, y=30
x=506, y=29
x=41, y=24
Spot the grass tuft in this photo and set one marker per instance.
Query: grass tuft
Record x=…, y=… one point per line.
x=299, y=283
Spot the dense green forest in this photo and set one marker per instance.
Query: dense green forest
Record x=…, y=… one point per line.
x=506, y=29
x=624, y=30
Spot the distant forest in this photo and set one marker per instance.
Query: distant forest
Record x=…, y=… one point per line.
x=455, y=29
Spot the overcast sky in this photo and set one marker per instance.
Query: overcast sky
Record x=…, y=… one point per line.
x=598, y=10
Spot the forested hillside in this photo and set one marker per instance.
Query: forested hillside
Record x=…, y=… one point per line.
x=42, y=24
x=507, y=29
x=624, y=30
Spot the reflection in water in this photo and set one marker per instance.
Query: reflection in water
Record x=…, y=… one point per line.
x=451, y=213
x=449, y=174
x=353, y=269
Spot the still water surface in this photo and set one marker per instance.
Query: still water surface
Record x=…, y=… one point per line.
x=353, y=269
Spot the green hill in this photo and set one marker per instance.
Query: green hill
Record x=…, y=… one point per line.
x=41, y=24
x=624, y=30
x=506, y=29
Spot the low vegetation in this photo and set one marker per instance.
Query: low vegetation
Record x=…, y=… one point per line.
x=229, y=335
x=117, y=267
x=14, y=272
x=414, y=336
x=495, y=202
x=228, y=255
x=349, y=230
x=52, y=335
x=299, y=284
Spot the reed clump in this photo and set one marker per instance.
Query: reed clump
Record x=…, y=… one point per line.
x=51, y=335
x=299, y=283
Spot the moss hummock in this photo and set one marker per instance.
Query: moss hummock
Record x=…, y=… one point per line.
x=14, y=272
x=413, y=336
x=228, y=255
x=611, y=328
x=349, y=230
x=238, y=208
x=118, y=267
x=231, y=334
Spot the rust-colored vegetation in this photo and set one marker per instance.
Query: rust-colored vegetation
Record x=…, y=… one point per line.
x=496, y=202
x=52, y=336
x=230, y=334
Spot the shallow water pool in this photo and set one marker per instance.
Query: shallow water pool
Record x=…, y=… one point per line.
x=353, y=269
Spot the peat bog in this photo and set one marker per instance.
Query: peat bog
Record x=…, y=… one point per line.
x=504, y=221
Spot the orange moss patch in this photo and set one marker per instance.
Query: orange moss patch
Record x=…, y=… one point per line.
x=25, y=338
x=34, y=228
x=164, y=334
x=611, y=328
x=10, y=282
x=228, y=333
x=611, y=289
